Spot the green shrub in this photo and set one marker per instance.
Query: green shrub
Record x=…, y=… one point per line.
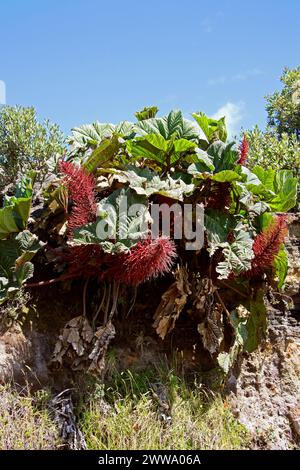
x=27, y=144
x=266, y=150
x=283, y=107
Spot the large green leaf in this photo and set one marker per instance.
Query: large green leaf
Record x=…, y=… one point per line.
x=158, y=141
x=248, y=200
x=227, y=359
x=147, y=113
x=250, y=324
x=104, y=154
x=15, y=266
x=148, y=148
x=87, y=234
x=213, y=129
x=202, y=163
x=238, y=255
x=125, y=129
x=15, y=212
x=183, y=145
x=123, y=221
x=224, y=156
x=146, y=183
x=173, y=124
x=264, y=220
x=285, y=188
x=277, y=188
x=17, y=250
x=266, y=177
x=217, y=225
x=7, y=222
x=156, y=147
x=226, y=176
x=254, y=329
x=173, y=188
x=281, y=265
x=250, y=179
x=90, y=136
x=14, y=216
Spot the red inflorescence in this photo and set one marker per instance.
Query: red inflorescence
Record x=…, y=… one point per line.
x=83, y=260
x=244, y=148
x=267, y=245
x=81, y=187
x=146, y=260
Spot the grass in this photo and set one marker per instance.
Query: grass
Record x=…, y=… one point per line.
x=25, y=422
x=152, y=409
x=127, y=414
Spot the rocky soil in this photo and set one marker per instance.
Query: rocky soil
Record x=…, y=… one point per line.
x=264, y=389
x=264, y=392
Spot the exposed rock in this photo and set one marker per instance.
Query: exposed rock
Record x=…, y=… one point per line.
x=265, y=391
x=24, y=357
x=265, y=388
x=14, y=352
x=292, y=285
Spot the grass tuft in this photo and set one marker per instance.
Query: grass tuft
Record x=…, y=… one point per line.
x=129, y=414
x=25, y=422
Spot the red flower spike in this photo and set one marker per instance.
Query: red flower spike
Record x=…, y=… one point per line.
x=83, y=260
x=267, y=245
x=81, y=187
x=244, y=148
x=148, y=259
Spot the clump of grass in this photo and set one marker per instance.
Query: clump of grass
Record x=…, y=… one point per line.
x=127, y=415
x=25, y=422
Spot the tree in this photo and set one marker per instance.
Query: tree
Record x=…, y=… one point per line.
x=284, y=107
x=27, y=144
x=278, y=146
x=266, y=150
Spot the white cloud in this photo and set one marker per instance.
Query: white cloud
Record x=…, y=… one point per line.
x=2, y=92
x=233, y=113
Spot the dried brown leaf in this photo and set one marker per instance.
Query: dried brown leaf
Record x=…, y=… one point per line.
x=81, y=347
x=212, y=329
x=103, y=336
x=172, y=303
x=203, y=297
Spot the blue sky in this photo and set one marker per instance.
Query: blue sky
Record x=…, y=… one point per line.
x=78, y=61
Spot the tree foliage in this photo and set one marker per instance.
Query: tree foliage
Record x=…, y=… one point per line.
x=266, y=150
x=283, y=107
x=278, y=147
x=27, y=144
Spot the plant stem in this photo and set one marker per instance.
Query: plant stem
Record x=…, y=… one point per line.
x=100, y=306
x=84, y=296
